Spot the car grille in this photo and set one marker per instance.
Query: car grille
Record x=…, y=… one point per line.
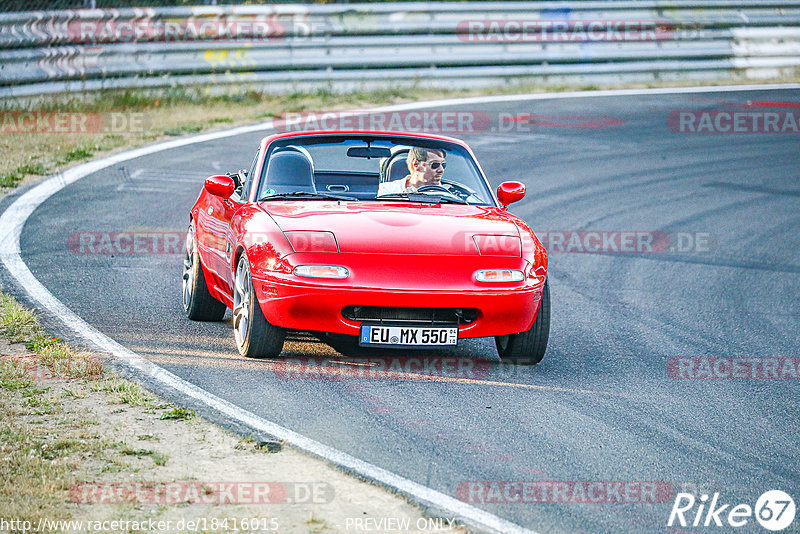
x=381, y=314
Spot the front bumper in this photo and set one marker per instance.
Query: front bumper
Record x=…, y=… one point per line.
x=316, y=305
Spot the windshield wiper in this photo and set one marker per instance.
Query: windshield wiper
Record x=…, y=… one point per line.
x=425, y=198
x=303, y=195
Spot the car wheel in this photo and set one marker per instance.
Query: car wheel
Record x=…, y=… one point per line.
x=198, y=303
x=528, y=348
x=255, y=337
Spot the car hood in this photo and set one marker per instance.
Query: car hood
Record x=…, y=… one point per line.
x=398, y=227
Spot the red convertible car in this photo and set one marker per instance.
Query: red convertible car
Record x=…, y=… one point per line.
x=394, y=239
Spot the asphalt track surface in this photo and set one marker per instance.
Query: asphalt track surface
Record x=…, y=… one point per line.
x=601, y=406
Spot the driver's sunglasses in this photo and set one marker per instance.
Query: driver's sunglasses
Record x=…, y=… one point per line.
x=435, y=164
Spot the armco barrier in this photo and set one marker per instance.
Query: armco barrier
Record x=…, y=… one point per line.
x=279, y=48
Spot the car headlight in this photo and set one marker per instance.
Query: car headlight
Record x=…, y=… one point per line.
x=321, y=271
x=499, y=275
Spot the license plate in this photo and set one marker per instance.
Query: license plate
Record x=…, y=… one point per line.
x=405, y=336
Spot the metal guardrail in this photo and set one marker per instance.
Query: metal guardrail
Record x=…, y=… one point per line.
x=286, y=47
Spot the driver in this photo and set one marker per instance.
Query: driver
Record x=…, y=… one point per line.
x=426, y=167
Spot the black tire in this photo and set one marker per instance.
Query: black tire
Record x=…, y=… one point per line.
x=255, y=336
x=198, y=304
x=528, y=348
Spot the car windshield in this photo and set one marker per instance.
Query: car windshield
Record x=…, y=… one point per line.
x=377, y=168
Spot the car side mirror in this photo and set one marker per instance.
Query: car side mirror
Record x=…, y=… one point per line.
x=220, y=186
x=510, y=192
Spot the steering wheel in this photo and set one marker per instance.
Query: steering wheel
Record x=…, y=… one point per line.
x=461, y=190
x=434, y=187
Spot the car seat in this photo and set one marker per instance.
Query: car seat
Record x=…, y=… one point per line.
x=290, y=169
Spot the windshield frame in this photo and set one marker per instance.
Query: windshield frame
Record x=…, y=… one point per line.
x=396, y=138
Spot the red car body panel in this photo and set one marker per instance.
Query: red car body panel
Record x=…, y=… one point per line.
x=398, y=254
x=403, y=228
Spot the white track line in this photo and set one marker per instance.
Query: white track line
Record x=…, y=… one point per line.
x=14, y=217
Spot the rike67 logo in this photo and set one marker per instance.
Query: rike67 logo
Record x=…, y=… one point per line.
x=774, y=510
